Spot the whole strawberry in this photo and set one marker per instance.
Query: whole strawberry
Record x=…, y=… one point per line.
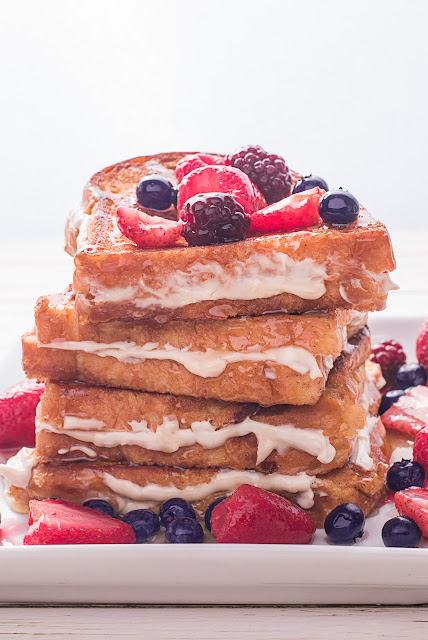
x=413, y=503
x=61, y=522
x=422, y=346
x=255, y=516
x=18, y=413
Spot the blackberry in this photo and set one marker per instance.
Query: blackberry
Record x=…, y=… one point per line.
x=213, y=218
x=266, y=170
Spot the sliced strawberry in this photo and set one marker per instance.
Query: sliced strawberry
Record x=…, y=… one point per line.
x=259, y=199
x=216, y=179
x=413, y=503
x=420, y=448
x=18, y=413
x=298, y=211
x=410, y=413
x=255, y=516
x=61, y=522
x=195, y=161
x=422, y=346
x=149, y=232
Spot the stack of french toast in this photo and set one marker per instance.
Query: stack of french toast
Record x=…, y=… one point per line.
x=186, y=371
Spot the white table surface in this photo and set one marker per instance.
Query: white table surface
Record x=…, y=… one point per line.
x=31, y=269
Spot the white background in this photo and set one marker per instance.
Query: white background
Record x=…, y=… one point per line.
x=339, y=88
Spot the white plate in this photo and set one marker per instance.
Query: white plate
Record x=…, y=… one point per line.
x=364, y=573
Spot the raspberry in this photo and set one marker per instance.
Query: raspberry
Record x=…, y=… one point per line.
x=422, y=346
x=213, y=218
x=390, y=355
x=266, y=170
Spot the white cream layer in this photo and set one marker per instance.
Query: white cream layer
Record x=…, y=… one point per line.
x=206, y=364
x=168, y=436
x=360, y=455
x=224, y=481
x=19, y=468
x=262, y=275
x=78, y=222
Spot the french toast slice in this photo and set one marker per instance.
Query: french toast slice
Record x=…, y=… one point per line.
x=77, y=422
x=129, y=487
x=318, y=268
x=272, y=359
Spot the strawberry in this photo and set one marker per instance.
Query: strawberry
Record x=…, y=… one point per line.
x=420, y=448
x=216, y=179
x=195, y=161
x=422, y=346
x=149, y=232
x=18, y=413
x=410, y=413
x=255, y=516
x=298, y=211
x=61, y=522
x=413, y=503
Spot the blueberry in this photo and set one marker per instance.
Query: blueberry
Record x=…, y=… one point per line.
x=209, y=511
x=338, y=207
x=389, y=398
x=175, y=508
x=100, y=505
x=155, y=192
x=401, y=532
x=410, y=375
x=344, y=524
x=405, y=474
x=184, y=530
x=310, y=182
x=144, y=522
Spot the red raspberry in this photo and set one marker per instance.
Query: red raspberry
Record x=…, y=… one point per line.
x=390, y=356
x=255, y=516
x=195, y=161
x=266, y=170
x=420, y=448
x=422, y=346
x=298, y=211
x=213, y=218
x=148, y=232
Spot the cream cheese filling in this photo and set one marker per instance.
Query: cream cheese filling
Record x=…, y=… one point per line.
x=206, y=364
x=18, y=469
x=168, y=436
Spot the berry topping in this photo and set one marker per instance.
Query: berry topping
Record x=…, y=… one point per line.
x=295, y=212
x=60, y=522
x=214, y=179
x=145, y=524
x=18, y=413
x=339, y=207
x=155, y=192
x=344, y=524
x=420, y=448
x=413, y=503
x=195, y=161
x=149, y=232
x=389, y=398
x=184, y=531
x=401, y=532
x=209, y=511
x=174, y=509
x=390, y=355
x=309, y=182
x=255, y=516
x=410, y=375
x=422, y=346
x=405, y=474
x=410, y=413
x=213, y=218
x=100, y=505
x=266, y=170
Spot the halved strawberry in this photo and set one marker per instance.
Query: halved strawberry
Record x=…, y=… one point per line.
x=61, y=522
x=194, y=161
x=216, y=179
x=18, y=412
x=413, y=503
x=410, y=413
x=420, y=448
x=255, y=516
x=298, y=211
x=149, y=232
